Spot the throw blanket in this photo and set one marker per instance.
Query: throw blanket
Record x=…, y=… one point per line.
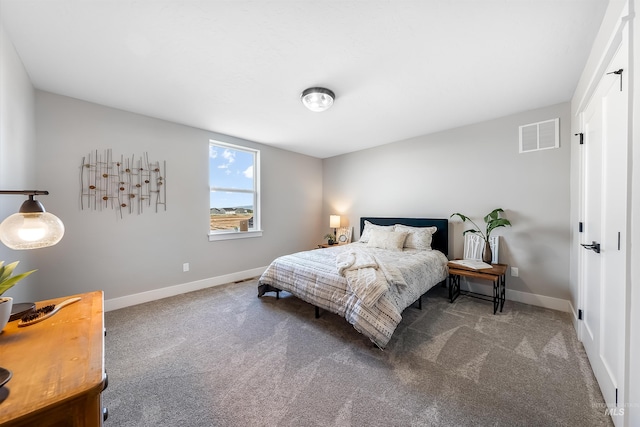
x=367, y=278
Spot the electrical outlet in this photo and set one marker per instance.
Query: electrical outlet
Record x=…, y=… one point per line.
x=514, y=271
x=185, y=267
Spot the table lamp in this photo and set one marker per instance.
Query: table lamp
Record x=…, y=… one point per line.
x=334, y=222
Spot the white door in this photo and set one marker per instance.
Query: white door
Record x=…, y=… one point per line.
x=603, y=267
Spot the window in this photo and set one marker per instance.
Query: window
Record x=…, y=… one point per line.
x=234, y=199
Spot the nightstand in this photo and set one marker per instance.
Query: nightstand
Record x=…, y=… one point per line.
x=58, y=367
x=496, y=274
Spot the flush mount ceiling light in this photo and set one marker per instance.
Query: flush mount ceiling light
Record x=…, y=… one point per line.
x=317, y=98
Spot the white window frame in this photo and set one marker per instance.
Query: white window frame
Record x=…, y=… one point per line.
x=256, y=231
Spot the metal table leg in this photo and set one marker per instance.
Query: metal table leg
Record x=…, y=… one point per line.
x=454, y=287
x=503, y=292
x=496, y=295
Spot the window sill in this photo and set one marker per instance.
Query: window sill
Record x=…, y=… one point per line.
x=232, y=235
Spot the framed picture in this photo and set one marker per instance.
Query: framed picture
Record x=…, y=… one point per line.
x=343, y=235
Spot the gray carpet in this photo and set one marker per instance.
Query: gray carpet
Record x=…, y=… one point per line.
x=223, y=357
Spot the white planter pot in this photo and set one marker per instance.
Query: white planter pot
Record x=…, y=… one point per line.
x=6, y=303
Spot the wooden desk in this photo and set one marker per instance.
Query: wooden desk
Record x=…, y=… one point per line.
x=496, y=274
x=57, y=366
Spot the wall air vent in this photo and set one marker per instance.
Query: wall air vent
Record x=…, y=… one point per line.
x=540, y=136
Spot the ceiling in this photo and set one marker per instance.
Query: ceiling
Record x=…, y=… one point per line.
x=399, y=69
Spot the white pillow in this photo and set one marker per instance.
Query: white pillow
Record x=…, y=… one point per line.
x=368, y=227
x=383, y=239
x=418, y=237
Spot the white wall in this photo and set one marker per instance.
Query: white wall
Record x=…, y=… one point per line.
x=17, y=149
x=471, y=170
x=141, y=253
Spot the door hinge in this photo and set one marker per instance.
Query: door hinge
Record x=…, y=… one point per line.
x=580, y=314
x=580, y=227
x=619, y=73
x=581, y=137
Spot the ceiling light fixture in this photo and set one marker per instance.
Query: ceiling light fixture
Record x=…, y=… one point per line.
x=317, y=99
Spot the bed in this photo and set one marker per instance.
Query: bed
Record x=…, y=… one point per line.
x=369, y=282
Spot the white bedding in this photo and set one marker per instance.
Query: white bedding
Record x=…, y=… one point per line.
x=367, y=278
x=313, y=276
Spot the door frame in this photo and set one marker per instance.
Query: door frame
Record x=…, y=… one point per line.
x=622, y=32
x=591, y=91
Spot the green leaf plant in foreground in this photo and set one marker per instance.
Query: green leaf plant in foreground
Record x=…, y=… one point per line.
x=6, y=279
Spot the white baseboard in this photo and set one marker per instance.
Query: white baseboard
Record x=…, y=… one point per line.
x=523, y=297
x=170, y=291
x=573, y=311
x=574, y=318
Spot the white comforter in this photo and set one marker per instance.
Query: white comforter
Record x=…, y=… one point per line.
x=314, y=277
x=367, y=278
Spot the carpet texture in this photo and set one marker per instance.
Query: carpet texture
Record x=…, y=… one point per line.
x=223, y=357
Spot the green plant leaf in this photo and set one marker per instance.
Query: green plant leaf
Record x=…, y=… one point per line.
x=494, y=214
x=500, y=222
x=492, y=219
x=462, y=217
x=7, y=270
x=6, y=280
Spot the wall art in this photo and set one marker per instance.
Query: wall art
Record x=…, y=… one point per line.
x=124, y=184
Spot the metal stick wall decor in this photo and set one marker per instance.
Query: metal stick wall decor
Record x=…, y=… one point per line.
x=125, y=184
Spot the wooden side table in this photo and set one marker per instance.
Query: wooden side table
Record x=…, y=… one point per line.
x=58, y=367
x=496, y=274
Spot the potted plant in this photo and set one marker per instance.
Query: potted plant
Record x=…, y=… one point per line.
x=493, y=221
x=7, y=280
x=331, y=239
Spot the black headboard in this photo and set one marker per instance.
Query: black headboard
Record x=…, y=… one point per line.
x=440, y=237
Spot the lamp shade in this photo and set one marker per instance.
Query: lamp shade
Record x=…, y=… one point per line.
x=334, y=221
x=317, y=99
x=31, y=230
x=32, y=227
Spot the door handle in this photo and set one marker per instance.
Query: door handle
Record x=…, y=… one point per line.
x=594, y=246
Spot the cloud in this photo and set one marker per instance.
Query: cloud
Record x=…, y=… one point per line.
x=230, y=156
x=213, y=152
x=248, y=172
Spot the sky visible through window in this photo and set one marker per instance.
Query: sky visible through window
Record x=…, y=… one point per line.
x=233, y=169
